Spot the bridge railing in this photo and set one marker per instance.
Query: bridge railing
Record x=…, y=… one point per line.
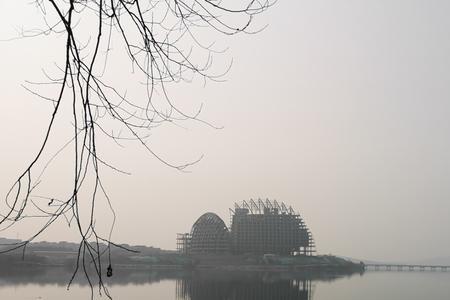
x=407, y=267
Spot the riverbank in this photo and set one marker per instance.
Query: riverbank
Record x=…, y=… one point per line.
x=149, y=258
x=274, y=263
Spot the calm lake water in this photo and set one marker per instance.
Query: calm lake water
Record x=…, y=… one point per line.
x=238, y=286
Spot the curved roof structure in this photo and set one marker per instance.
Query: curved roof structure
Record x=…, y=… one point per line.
x=209, y=234
x=258, y=227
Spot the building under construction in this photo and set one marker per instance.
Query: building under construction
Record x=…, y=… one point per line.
x=257, y=227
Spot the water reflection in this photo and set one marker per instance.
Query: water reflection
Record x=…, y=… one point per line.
x=60, y=276
x=187, y=284
x=243, y=288
x=189, y=281
x=50, y=284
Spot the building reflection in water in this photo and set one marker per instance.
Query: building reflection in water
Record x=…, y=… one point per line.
x=239, y=289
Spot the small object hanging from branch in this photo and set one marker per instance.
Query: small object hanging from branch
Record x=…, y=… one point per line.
x=160, y=40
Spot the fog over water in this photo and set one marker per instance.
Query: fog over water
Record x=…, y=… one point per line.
x=339, y=108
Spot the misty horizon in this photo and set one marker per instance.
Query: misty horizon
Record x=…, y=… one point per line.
x=337, y=109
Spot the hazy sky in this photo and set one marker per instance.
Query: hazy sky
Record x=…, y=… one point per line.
x=339, y=108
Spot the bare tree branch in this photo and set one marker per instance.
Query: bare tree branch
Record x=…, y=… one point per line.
x=160, y=38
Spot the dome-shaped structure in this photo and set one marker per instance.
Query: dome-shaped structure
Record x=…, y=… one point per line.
x=209, y=234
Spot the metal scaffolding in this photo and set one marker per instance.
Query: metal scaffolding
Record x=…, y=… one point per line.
x=183, y=242
x=209, y=234
x=257, y=227
x=264, y=226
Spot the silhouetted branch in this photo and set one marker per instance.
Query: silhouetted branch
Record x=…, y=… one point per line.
x=160, y=40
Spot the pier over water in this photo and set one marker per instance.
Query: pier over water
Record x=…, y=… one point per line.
x=406, y=267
